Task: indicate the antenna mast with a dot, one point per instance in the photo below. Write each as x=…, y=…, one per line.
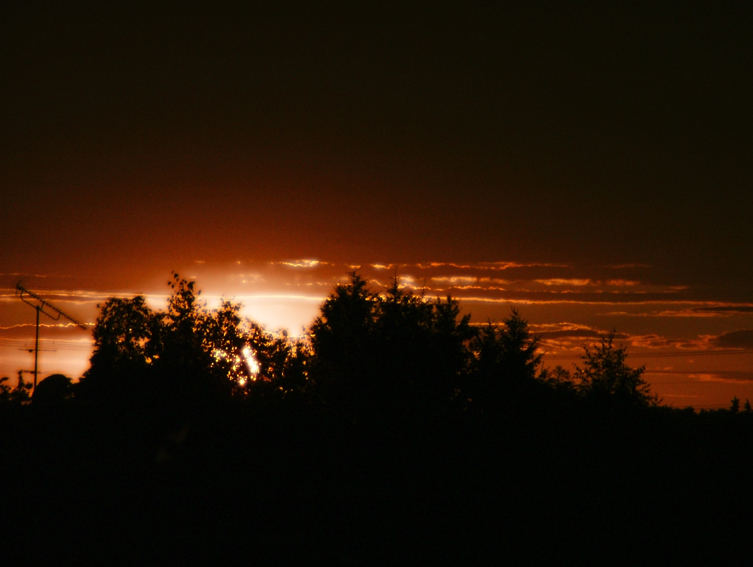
x=42, y=306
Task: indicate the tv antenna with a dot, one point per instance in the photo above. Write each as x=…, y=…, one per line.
x=42, y=306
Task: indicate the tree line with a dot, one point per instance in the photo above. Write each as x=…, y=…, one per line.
x=395, y=350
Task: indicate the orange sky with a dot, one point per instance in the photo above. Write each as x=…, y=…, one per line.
x=603, y=155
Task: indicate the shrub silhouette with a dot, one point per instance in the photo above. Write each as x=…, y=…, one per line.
x=54, y=389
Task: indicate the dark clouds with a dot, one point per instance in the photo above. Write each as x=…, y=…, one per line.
x=732, y=309
x=577, y=333
x=736, y=339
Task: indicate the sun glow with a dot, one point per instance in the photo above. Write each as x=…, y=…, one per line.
x=248, y=356
x=251, y=362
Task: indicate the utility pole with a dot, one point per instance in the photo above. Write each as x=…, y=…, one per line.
x=42, y=306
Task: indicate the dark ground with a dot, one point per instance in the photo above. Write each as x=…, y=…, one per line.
x=291, y=481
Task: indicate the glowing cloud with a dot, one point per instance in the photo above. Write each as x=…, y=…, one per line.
x=305, y=263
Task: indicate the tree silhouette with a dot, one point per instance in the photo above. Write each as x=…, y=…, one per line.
x=14, y=395
x=184, y=352
x=506, y=358
x=421, y=344
x=341, y=338
x=558, y=378
x=282, y=362
x=222, y=340
x=606, y=377
x=123, y=349
x=389, y=348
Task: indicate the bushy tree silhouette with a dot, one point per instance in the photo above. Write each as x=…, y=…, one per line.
x=282, y=361
x=422, y=344
x=342, y=338
x=605, y=377
x=189, y=345
x=184, y=352
x=123, y=349
x=388, y=348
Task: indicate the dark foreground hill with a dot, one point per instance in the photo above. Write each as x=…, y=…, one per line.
x=273, y=482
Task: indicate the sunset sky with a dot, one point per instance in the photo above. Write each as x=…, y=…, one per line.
x=591, y=167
